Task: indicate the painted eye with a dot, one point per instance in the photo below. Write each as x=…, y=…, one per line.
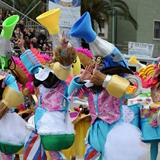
x=75, y=61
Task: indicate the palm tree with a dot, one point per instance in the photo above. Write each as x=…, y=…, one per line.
x=109, y=10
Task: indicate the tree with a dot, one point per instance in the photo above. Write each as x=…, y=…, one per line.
x=109, y=10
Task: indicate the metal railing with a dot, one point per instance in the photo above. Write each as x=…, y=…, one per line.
x=29, y=23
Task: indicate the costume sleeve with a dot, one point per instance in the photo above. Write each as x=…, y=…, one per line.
x=75, y=86
x=118, y=86
x=11, y=96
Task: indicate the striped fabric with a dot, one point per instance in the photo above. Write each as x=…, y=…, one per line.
x=91, y=154
x=33, y=150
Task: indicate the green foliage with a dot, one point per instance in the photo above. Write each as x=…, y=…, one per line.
x=98, y=9
x=105, y=9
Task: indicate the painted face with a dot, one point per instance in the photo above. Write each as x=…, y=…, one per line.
x=66, y=4
x=99, y=61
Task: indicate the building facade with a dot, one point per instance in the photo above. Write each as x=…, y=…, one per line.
x=147, y=15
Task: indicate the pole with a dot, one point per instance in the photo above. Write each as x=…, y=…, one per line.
x=13, y=4
x=31, y=10
x=113, y=26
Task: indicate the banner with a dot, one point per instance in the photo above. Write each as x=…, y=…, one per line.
x=140, y=49
x=69, y=14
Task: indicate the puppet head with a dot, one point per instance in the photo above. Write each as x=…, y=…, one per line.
x=111, y=56
x=63, y=67
x=46, y=77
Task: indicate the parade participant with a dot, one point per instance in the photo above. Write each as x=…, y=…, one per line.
x=149, y=117
x=11, y=142
x=111, y=136
x=14, y=131
x=80, y=105
x=51, y=118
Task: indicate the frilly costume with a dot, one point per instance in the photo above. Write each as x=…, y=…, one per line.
x=51, y=119
x=150, y=110
x=109, y=136
x=13, y=130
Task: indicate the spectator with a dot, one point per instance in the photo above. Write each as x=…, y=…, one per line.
x=6, y=15
x=16, y=48
x=48, y=42
x=17, y=33
x=41, y=43
x=34, y=43
x=21, y=25
x=42, y=36
x=1, y=21
x=1, y=13
x=32, y=33
x=13, y=42
x=27, y=42
x=26, y=32
x=12, y=12
x=43, y=6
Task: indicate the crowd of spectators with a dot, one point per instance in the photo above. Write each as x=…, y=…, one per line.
x=32, y=39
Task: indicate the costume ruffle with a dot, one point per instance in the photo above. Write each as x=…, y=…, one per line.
x=55, y=123
x=13, y=129
x=124, y=143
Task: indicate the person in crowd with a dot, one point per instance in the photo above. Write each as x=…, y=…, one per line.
x=27, y=42
x=32, y=33
x=12, y=12
x=17, y=33
x=34, y=43
x=1, y=13
x=42, y=36
x=48, y=42
x=21, y=25
x=43, y=6
x=1, y=21
x=41, y=44
x=6, y=14
x=26, y=32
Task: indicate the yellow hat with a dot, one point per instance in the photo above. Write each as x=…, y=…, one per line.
x=62, y=72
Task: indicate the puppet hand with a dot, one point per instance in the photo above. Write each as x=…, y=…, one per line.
x=63, y=42
x=87, y=73
x=3, y=109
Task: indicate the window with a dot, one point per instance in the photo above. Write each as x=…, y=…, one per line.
x=104, y=29
x=102, y=23
x=101, y=34
x=156, y=29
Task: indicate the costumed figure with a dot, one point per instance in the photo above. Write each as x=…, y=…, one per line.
x=111, y=135
x=14, y=127
x=79, y=111
x=51, y=120
x=149, y=114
